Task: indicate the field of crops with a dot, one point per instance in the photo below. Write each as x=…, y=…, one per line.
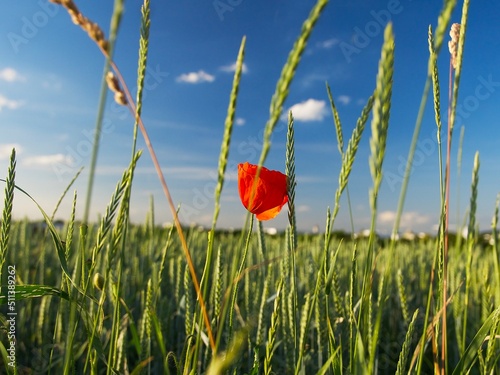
x=270, y=313
x=117, y=298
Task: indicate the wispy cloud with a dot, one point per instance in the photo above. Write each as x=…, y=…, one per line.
x=344, y=99
x=47, y=160
x=409, y=220
x=239, y=121
x=309, y=110
x=232, y=67
x=10, y=75
x=6, y=150
x=8, y=103
x=328, y=43
x=196, y=77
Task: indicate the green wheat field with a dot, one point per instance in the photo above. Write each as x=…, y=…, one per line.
x=115, y=298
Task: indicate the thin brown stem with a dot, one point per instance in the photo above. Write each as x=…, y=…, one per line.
x=446, y=223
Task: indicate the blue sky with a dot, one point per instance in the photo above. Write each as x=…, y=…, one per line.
x=50, y=79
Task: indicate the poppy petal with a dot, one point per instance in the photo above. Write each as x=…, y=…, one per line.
x=272, y=213
x=265, y=196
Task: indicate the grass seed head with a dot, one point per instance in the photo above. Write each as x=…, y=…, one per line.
x=112, y=82
x=114, y=86
x=120, y=98
x=453, y=43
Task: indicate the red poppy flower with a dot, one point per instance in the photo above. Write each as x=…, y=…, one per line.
x=270, y=190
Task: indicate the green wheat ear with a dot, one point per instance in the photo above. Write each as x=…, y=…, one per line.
x=218, y=285
x=271, y=336
x=141, y=67
x=7, y=209
x=145, y=329
x=350, y=154
x=405, y=350
x=402, y=296
x=336, y=120
x=473, y=198
x=291, y=182
x=435, y=82
x=381, y=112
x=143, y=54
x=70, y=230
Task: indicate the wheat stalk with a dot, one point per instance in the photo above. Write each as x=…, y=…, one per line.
x=7, y=209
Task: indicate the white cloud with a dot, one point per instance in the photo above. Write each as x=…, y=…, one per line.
x=412, y=220
x=327, y=44
x=309, y=110
x=386, y=217
x=303, y=208
x=9, y=104
x=239, y=121
x=196, y=77
x=344, y=99
x=6, y=150
x=48, y=160
x=232, y=68
x=10, y=75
